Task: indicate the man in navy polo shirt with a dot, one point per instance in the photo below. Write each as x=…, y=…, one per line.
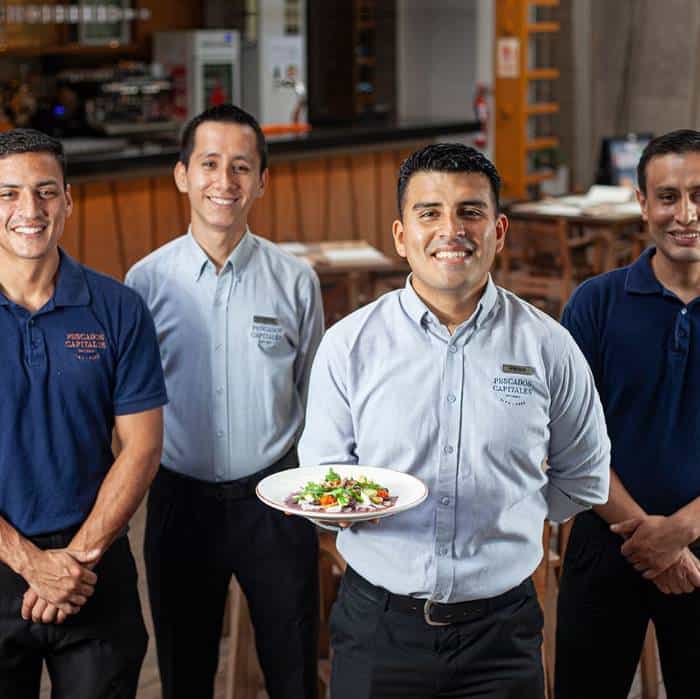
x=634, y=559
x=78, y=357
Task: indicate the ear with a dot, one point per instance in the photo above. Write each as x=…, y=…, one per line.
x=398, y=234
x=264, y=179
x=502, y=224
x=180, y=175
x=69, y=201
x=643, y=204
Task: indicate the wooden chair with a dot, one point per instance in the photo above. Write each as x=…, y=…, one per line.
x=542, y=264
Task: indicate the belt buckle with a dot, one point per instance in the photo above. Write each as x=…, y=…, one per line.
x=426, y=615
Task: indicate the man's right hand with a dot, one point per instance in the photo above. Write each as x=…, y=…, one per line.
x=62, y=577
x=682, y=577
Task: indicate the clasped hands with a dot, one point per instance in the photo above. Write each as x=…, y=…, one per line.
x=656, y=547
x=60, y=583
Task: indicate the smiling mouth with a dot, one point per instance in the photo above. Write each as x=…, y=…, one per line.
x=685, y=236
x=222, y=201
x=453, y=255
x=29, y=231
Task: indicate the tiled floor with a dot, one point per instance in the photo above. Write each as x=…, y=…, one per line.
x=149, y=684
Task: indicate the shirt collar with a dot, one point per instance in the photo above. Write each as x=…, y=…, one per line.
x=418, y=311
x=71, y=285
x=640, y=277
x=197, y=260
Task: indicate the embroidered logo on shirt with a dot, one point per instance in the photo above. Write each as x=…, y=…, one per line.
x=512, y=390
x=266, y=330
x=86, y=346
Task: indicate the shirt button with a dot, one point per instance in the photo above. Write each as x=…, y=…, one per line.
x=219, y=390
x=684, y=311
x=448, y=450
x=217, y=347
x=219, y=433
x=445, y=501
x=453, y=348
x=682, y=332
x=443, y=551
x=451, y=398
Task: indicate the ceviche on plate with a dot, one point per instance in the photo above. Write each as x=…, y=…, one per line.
x=336, y=493
x=342, y=492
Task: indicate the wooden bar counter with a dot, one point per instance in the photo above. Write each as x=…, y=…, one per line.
x=325, y=185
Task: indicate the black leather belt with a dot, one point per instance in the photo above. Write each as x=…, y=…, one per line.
x=230, y=490
x=437, y=613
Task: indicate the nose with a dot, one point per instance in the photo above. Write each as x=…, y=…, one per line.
x=28, y=205
x=454, y=228
x=687, y=211
x=226, y=177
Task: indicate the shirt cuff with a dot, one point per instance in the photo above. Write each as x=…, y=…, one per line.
x=561, y=506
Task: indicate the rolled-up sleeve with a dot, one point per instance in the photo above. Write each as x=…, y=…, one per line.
x=579, y=448
x=328, y=436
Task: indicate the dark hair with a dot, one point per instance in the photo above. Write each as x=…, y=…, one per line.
x=19, y=141
x=447, y=157
x=228, y=114
x=676, y=142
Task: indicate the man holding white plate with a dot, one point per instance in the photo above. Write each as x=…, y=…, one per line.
x=490, y=403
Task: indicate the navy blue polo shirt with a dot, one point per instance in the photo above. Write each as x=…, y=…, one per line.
x=643, y=345
x=66, y=370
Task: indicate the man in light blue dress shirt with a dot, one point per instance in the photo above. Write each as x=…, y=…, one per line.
x=238, y=322
x=488, y=401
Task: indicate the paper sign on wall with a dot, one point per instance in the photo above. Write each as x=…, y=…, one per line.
x=508, y=57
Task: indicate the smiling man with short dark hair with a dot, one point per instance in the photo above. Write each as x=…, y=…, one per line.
x=635, y=558
x=470, y=389
x=78, y=358
x=239, y=321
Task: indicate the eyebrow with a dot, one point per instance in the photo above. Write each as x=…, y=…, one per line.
x=43, y=183
x=214, y=154
x=436, y=205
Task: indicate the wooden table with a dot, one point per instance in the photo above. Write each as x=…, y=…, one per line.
x=352, y=273
x=605, y=228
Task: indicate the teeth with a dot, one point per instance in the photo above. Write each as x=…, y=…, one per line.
x=29, y=230
x=222, y=202
x=450, y=255
x=686, y=236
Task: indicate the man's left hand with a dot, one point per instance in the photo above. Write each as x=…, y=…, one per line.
x=653, y=543
x=40, y=610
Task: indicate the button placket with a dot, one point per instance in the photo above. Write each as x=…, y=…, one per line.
x=450, y=419
x=220, y=371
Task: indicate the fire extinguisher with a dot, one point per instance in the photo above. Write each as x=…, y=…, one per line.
x=481, y=114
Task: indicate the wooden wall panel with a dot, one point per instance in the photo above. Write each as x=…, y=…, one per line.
x=312, y=188
x=262, y=215
x=340, y=219
x=168, y=218
x=134, y=202
x=70, y=241
x=386, y=193
x=287, y=216
x=102, y=249
x=364, y=197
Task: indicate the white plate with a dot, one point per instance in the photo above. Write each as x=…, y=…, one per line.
x=275, y=489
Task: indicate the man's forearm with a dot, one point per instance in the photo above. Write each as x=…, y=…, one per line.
x=119, y=496
x=15, y=549
x=620, y=505
x=687, y=519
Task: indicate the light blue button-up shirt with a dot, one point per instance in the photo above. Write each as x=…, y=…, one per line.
x=477, y=416
x=236, y=348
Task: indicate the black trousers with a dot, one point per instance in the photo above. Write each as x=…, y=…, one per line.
x=604, y=608
x=379, y=653
x=96, y=653
x=197, y=536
